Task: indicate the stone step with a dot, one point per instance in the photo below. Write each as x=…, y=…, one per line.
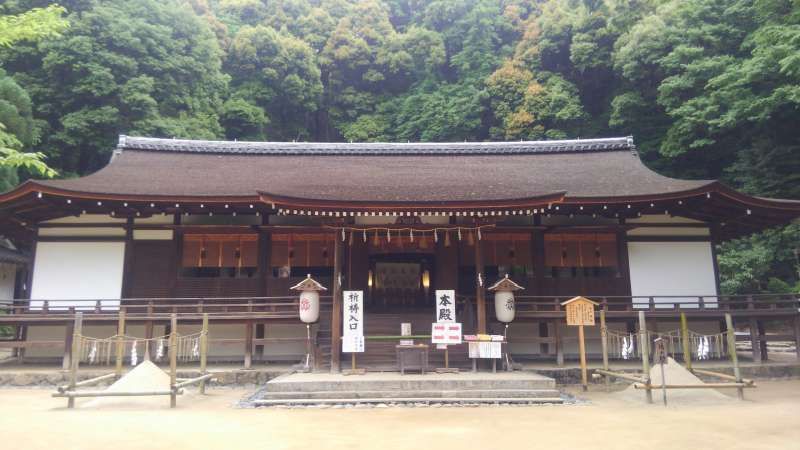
x=458, y=394
x=414, y=401
x=411, y=383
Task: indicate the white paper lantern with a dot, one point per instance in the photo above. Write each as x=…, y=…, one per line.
x=504, y=308
x=309, y=306
x=309, y=299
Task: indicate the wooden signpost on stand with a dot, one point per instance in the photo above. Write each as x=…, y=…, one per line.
x=580, y=313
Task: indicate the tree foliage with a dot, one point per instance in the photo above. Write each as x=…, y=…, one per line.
x=708, y=88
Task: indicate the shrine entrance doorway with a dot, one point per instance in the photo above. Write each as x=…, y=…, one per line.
x=400, y=282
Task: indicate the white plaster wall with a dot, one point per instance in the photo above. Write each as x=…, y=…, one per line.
x=152, y=235
x=672, y=268
x=669, y=231
x=84, y=231
x=78, y=270
x=88, y=218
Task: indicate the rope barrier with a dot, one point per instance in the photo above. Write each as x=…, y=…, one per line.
x=623, y=345
x=96, y=351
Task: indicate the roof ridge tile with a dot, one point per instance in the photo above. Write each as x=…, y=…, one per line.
x=375, y=148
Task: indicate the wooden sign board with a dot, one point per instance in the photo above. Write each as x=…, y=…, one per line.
x=580, y=311
x=353, y=329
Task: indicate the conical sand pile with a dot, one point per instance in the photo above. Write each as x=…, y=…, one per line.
x=146, y=377
x=675, y=373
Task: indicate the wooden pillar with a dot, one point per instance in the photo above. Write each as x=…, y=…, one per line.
x=127, y=261
x=559, y=343
x=265, y=275
x=731, y=335
x=248, y=344
x=762, y=340
x=687, y=349
x=148, y=331
x=537, y=259
x=264, y=260
x=22, y=330
x=177, y=253
x=173, y=360
x=754, y=340
x=120, y=350
x=604, y=343
x=797, y=335
x=75, y=359
x=203, y=351
x=336, y=311
x=480, y=288
x=623, y=265
x=66, y=361
x=644, y=344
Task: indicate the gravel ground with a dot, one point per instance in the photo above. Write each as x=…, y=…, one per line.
x=766, y=420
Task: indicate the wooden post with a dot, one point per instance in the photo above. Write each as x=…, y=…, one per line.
x=248, y=344
x=582, y=349
x=173, y=360
x=797, y=335
x=75, y=356
x=148, y=331
x=559, y=344
x=604, y=343
x=203, y=351
x=66, y=362
x=687, y=349
x=336, y=312
x=480, y=291
x=755, y=340
x=762, y=340
x=644, y=345
x=120, y=350
x=732, y=352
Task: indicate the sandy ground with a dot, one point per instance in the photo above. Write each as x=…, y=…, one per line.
x=31, y=419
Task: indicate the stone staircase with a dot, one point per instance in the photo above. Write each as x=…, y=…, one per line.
x=380, y=355
x=393, y=388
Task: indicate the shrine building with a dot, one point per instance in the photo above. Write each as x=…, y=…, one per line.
x=227, y=228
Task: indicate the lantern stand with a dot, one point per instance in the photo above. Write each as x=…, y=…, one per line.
x=308, y=304
x=504, y=309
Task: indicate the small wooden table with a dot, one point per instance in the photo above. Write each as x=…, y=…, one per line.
x=412, y=357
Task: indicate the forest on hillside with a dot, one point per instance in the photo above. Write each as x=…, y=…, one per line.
x=707, y=88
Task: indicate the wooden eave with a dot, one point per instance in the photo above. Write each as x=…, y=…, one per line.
x=729, y=213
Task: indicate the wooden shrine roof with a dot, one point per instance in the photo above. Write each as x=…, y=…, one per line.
x=363, y=172
x=583, y=176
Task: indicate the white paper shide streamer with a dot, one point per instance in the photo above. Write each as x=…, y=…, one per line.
x=134, y=355
x=160, y=349
x=93, y=353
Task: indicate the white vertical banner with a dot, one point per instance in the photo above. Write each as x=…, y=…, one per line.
x=445, y=305
x=353, y=323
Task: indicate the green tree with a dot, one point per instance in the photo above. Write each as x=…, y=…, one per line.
x=145, y=67
x=18, y=129
x=277, y=72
